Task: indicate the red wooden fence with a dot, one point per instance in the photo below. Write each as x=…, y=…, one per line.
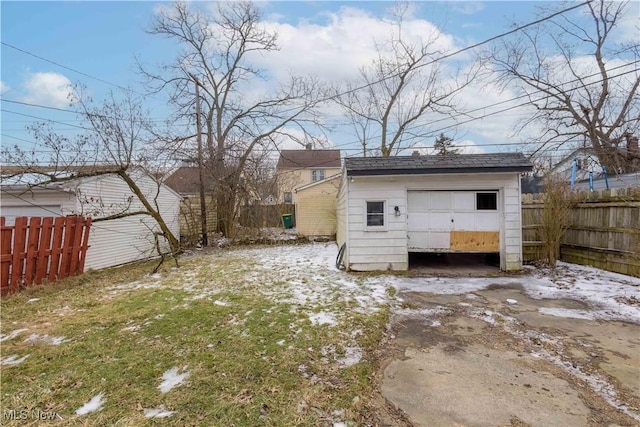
x=35, y=249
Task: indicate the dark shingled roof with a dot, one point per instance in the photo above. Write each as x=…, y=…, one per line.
x=185, y=180
x=292, y=159
x=436, y=164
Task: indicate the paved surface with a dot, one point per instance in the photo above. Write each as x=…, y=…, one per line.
x=478, y=360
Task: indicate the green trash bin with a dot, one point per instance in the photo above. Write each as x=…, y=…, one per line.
x=287, y=221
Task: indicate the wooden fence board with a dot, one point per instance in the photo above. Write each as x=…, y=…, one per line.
x=44, y=254
x=6, y=235
x=45, y=248
x=56, y=248
x=85, y=245
x=32, y=249
x=18, y=248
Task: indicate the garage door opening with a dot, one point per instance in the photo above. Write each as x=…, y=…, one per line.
x=454, y=264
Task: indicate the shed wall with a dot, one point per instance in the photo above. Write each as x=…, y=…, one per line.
x=387, y=249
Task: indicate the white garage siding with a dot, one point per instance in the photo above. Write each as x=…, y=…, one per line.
x=37, y=202
x=387, y=248
x=124, y=240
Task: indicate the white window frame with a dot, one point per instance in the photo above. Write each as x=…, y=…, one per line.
x=319, y=172
x=382, y=227
x=290, y=198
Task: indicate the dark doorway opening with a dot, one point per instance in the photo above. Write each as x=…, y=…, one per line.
x=455, y=264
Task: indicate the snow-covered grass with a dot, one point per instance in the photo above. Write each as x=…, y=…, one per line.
x=218, y=341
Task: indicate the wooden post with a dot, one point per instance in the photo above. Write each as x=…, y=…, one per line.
x=85, y=245
x=19, y=241
x=6, y=235
x=203, y=204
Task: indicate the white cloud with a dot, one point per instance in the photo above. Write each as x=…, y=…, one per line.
x=468, y=7
x=50, y=89
x=338, y=48
x=4, y=88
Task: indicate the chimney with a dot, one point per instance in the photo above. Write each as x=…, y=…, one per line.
x=308, y=146
x=416, y=153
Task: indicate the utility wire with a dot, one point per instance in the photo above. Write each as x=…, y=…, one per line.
x=70, y=69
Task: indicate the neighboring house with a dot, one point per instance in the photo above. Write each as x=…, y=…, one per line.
x=390, y=206
x=586, y=162
x=297, y=168
x=316, y=207
x=112, y=242
x=186, y=181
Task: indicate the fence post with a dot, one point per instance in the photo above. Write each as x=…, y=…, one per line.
x=6, y=235
x=17, y=262
x=85, y=245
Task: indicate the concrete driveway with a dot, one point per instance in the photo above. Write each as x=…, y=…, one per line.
x=542, y=349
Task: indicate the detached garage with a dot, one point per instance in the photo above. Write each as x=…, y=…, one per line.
x=469, y=203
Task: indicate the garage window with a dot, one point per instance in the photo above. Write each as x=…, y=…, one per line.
x=486, y=201
x=375, y=214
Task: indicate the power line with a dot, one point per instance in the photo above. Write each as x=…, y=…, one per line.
x=70, y=69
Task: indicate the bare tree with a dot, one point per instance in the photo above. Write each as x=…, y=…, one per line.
x=238, y=117
x=581, y=79
x=114, y=143
x=388, y=102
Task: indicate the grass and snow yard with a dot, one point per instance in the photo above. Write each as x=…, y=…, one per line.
x=269, y=336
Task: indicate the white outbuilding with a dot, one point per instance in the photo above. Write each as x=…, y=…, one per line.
x=388, y=207
x=112, y=242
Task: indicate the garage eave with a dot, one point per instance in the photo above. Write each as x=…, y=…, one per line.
x=436, y=171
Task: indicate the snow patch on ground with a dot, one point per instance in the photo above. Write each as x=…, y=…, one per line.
x=93, y=405
x=221, y=303
x=172, y=379
x=570, y=313
x=352, y=355
x=606, y=292
x=12, y=334
x=13, y=360
x=323, y=318
x=45, y=339
x=159, y=412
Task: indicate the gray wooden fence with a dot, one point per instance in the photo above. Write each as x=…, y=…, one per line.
x=604, y=230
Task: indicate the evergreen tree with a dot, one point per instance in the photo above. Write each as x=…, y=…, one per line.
x=444, y=146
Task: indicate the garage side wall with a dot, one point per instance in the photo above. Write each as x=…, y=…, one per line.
x=341, y=216
x=124, y=240
x=370, y=249
x=316, y=209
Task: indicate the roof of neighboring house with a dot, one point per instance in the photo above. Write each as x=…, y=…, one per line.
x=322, y=181
x=290, y=159
x=184, y=180
x=437, y=164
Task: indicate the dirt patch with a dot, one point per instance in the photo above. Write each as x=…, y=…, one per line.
x=497, y=357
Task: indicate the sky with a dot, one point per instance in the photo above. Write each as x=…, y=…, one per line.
x=46, y=46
